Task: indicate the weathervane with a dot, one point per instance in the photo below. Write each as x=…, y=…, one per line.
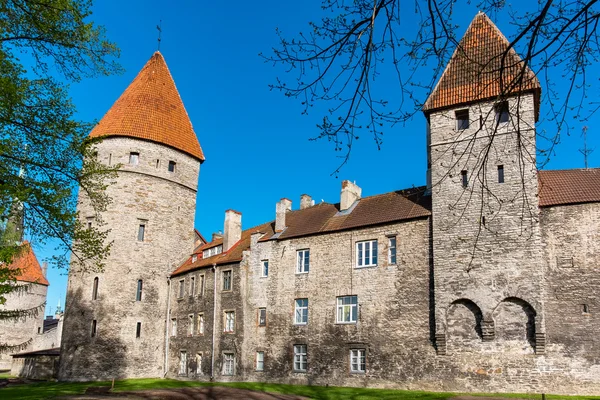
x=159, y=28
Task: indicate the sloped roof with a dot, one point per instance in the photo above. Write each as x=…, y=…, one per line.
x=29, y=267
x=483, y=66
x=569, y=186
x=151, y=109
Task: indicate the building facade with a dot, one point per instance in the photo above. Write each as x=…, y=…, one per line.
x=486, y=279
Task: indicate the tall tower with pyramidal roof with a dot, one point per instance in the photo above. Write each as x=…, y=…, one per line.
x=488, y=272
x=115, y=320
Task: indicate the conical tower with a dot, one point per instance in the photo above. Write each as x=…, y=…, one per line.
x=115, y=320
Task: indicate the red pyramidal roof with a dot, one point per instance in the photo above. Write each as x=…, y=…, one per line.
x=28, y=266
x=151, y=109
x=483, y=66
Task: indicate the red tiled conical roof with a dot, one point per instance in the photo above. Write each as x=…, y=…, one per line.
x=483, y=66
x=151, y=109
x=28, y=266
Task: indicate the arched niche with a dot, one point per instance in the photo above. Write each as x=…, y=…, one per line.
x=463, y=324
x=515, y=321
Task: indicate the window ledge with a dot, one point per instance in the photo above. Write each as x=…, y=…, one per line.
x=302, y=273
x=300, y=323
x=366, y=266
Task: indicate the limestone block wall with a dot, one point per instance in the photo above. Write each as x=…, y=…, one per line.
x=164, y=202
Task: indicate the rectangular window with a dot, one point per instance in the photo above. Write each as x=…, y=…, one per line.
x=199, y=364
x=134, y=158
x=174, y=327
x=172, y=166
x=585, y=308
x=300, y=357
x=500, y=173
x=190, y=324
x=392, y=249
x=201, y=286
x=262, y=317
x=138, y=292
x=194, y=257
x=226, y=280
x=347, y=309
x=182, y=363
x=94, y=328
x=303, y=261
x=90, y=222
x=366, y=253
x=264, y=271
x=95, y=289
x=465, y=178
x=200, y=322
x=228, y=364
x=229, y=321
x=260, y=360
x=138, y=330
x=192, y=285
x=301, y=311
x=357, y=361
x=181, y=291
x=141, y=232
x=462, y=119
x=501, y=112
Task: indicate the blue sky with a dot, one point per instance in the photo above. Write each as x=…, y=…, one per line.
x=256, y=141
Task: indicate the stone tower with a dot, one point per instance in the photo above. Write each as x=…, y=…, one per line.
x=115, y=320
x=488, y=267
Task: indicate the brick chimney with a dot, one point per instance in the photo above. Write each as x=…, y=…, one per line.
x=306, y=201
x=232, y=232
x=281, y=209
x=350, y=193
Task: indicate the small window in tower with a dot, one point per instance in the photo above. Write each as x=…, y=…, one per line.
x=94, y=328
x=500, y=173
x=90, y=222
x=138, y=294
x=157, y=163
x=134, y=158
x=109, y=158
x=95, y=289
x=585, y=308
x=141, y=232
x=138, y=330
x=501, y=112
x=172, y=166
x=462, y=120
x=465, y=179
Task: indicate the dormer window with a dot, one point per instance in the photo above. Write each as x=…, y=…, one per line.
x=172, y=166
x=501, y=112
x=462, y=120
x=134, y=158
x=194, y=257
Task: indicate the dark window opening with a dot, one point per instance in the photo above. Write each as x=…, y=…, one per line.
x=262, y=317
x=500, y=173
x=226, y=280
x=481, y=121
x=502, y=112
x=172, y=166
x=585, y=308
x=138, y=330
x=39, y=330
x=138, y=294
x=94, y=328
x=157, y=163
x=141, y=232
x=483, y=220
x=465, y=179
x=134, y=158
x=109, y=158
x=462, y=119
x=95, y=289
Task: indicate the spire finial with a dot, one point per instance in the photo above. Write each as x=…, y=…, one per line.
x=159, y=29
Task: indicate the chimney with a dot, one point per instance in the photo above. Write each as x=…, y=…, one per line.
x=232, y=233
x=44, y=268
x=216, y=235
x=306, y=201
x=281, y=209
x=350, y=193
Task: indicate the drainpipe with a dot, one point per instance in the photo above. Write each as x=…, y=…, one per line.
x=214, y=330
x=166, y=362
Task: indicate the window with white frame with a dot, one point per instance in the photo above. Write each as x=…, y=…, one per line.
x=200, y=322
x=228, y=364
x=229, y=321
x=174, y=327
x=260, y=360
x=201, y=285
x=213, y=251
x=181, y=288
x=191, y=324
x=134, y=158
x=301, y=311
x=194, y=257
x=300, y=357
x=199, y=364
x=357, y=360
x=183, y=362
x=264, y=268
x=392, y=250
x=303, y=261
x=347, y=309
x=366, y=253
x=226, y=280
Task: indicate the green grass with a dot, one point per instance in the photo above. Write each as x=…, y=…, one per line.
x=47, y=390
x=5, y=375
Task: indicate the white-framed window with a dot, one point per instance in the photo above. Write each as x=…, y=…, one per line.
x=198, y=363
x=228, y=364
x=300, y=357
x=303, y=261
x=191, y=324
x=201, y=285
x=227, y=280
x=134, y=158
x=366, y=253
x=358, y=361
x=213, y=251
x=262, y=317
x=264, y=268
x=260, y=360
x=392, y=250
x=347, y=309
x=200, y=322
x=194, y=258
x=229, y=321
x=301, y=312
x=192, y=285
x=174, y=327
x=181, y=289
x=183, y=362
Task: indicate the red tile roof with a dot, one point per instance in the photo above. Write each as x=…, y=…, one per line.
x=28, y=266
x=151, y=109
x=570, y=186
x=483, y=66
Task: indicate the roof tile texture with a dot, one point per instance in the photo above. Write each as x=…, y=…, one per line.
x=28, y=266
x=570, y=186
x=482, y=67
x=151, y=109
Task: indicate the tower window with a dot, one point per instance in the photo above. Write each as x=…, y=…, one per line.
x=157, y=163
x=138, y=294
x=172, y=166
x=500, y=173
x=138, y=330
x=465, y=178
x=141, y=232
x=134, y=158
x=462, y=119
x=585, y=308
x=94, y=328
x=95, y=289
x=501, y=112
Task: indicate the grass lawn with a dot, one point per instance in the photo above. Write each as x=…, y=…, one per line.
x=47, y=390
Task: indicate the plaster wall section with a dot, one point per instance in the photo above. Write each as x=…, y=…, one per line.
x=163, y=202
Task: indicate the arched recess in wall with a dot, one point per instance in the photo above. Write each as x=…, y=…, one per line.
x=463, y=324
x=514, y=321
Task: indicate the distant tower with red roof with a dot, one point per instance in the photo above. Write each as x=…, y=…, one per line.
x=115, y=319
